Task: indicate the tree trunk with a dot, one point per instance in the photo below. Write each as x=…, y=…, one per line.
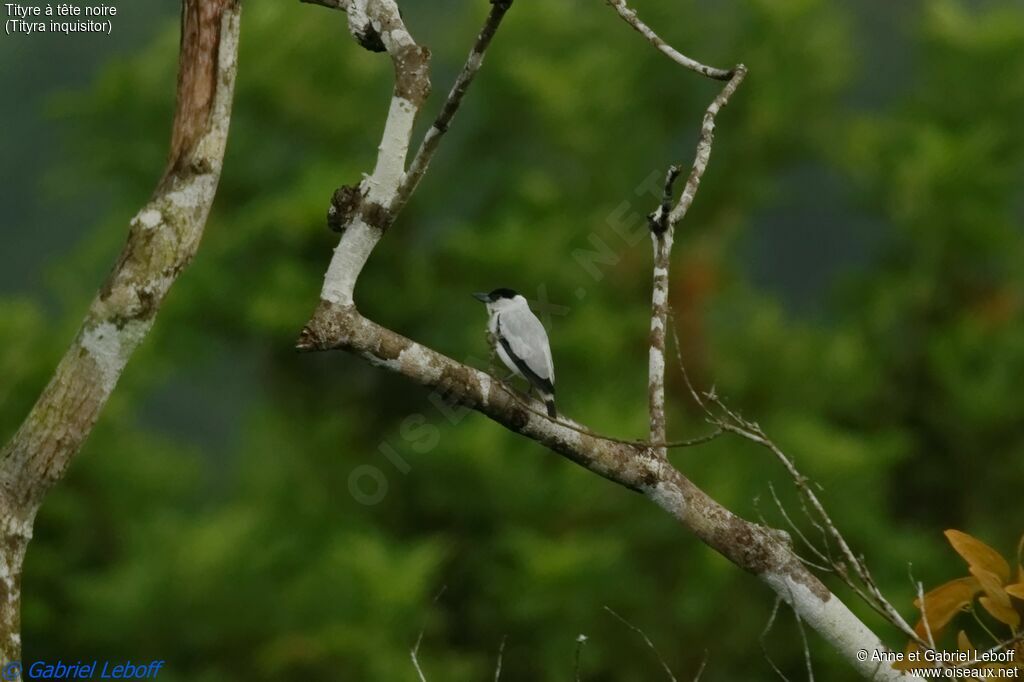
x=162, y=240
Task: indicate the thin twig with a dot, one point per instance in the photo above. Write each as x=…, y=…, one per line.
x=332, y=4
x=764, y=635
x=415, y=660
x=807, y=648
x=581, y=639
x=800, y=534
x=733, y=422
x=821, y=529
x=650, y=644
x=707, y=136
x=791, y=524
x=703, y=665
x=631, y=18
x=981, y=624
x=414, y=653
x=432, y=139
x=874, y=597
x=804, y=560
x=832, y=566
x=682, y=366
x=572, y=426
x=501, y=654
x=924, y=613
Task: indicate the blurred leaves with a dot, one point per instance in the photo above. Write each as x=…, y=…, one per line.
x=211, y=520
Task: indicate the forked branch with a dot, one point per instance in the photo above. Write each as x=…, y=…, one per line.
x=663, y=223
x=371, y=207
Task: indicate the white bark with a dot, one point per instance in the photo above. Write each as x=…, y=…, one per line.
x=839, y=626
x=380, y=189
x=350, y=255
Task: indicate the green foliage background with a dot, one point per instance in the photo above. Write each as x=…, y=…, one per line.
x=850, y=276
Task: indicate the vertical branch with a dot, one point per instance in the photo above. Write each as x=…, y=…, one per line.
x=370, y=208
x=662, y=232
x=663, y=223
x=162, y=240
x=664, y=220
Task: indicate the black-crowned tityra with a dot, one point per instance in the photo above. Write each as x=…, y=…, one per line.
x=521, y=342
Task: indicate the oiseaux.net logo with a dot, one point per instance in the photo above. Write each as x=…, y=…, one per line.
x=81, y=670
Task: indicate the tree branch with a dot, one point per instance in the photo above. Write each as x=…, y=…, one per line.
x=162, y=240
x=661, y=237
x=663, y=223
x=866, y=587
x=761, y=551
x=370, y=213
x=432, y=139
x=630, y=17
x=707, y=137
x=337, y=324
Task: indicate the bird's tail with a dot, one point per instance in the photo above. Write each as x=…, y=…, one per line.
x=550, y=402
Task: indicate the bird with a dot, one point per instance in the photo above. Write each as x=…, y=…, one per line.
x=521, y=342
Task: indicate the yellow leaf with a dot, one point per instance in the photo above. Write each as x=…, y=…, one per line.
x=977, y=553
x=963, y=643
x=992, y=586
x=1016, y=590
x=944, y=602
x=1004, y=614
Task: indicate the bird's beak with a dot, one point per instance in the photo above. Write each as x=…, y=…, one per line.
x=482, y=297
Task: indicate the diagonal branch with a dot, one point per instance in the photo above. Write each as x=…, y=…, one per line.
x=162, y=240
x=432, y=139
x=630, y=17
x=647, y=641
x=761, y=551
x=707, y=137
x=335, y=327
x=865, y=585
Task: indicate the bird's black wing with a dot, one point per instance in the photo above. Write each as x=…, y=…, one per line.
x=532, y=359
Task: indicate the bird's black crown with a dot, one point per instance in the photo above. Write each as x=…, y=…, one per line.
x=502, y=293
x=495, y=295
